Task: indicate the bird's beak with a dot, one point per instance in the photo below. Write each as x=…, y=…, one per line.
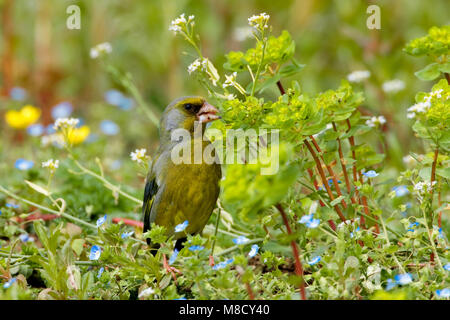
x=207, y=113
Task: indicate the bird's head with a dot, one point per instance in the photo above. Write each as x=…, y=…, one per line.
x=183, y=112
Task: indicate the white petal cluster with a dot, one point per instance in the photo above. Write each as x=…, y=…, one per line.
x=230, y=80
x=100, y=49
x=194, y=66
x=393, y=86
x=358, y=76
x=376, y=121
x=138, y=155
x=422, y=107
x=63, y=123
x=179, y=24
x=51, y=164
x=424, y=187
x=259, y=21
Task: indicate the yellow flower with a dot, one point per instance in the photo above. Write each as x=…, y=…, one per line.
x=23, y=118
x=77, y=135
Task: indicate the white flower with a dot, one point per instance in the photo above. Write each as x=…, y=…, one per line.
x=138, y=155
x=146, y=292
x=194, y=66
x=393, y=86
x=230, y=96
x=259, y=21
x=376, y=121
x=424, y=187
x=242, y=33
x=358, y=76
x=63, y=123
x=180, y=23
x=230, y=80
x=51, y=164
x=100, y=49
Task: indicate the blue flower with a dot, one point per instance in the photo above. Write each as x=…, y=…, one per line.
x=196, y=248
x=24, y=237
x=306, y=218
x=253, y=251
x=109, y=127
x=100, y=271
x=62, y=110
x=356, y=230
x=241, y=240
x=180, y=227
x=174, y=256
x=23, y=164
x=315, y=260
x=115, y=165
x=390, y=284
x=182, y=298
x=370, y=174
x=8, y=284
x=309, y=221
x=314, y=223
x=101, y=220
x=400, y=191
x=223, y=264
x=443, y=293
x=95, y=253
x=12, y=205
x=35, y=130
x=403, y=279
x=18, y=93
x=116, y=98
x=447, y=267
x=412, y=226
x=126, y=234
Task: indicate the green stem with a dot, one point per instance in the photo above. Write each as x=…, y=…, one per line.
x=237, y=247
x=258, y=71
x=107, y=184
x=389, y=244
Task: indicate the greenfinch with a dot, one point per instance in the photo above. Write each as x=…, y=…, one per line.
x=176, y=192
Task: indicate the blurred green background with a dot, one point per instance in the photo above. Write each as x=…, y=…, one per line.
x=53, y=64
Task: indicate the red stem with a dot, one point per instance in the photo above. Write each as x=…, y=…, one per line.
x=324, y=180
x=295, y=251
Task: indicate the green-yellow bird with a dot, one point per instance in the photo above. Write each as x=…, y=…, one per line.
x=174, y=192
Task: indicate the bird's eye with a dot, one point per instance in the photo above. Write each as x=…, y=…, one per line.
x=188, y=106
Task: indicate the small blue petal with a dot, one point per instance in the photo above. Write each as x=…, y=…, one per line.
x=12, y=205
x=23, y=164
x=18, y=94
x=196, y=248
x=35, y=130
x=314, y=223
x=180, y=227
x=126, y=234
x=101, y=220
x=182, y=298
x=241, y=240
x=253, y=251
x=24, y=237
x=400, y=191
x=95, y=253
x=113, y=97
x=370, y=174
x=126, y=103
x=223, y=264
x=50, y=129
x=403, y=279
x=315, y=260
x=173, y=257
x=443, y=293
x=306, y=218
x=100, y=271
x=390, y=284
x=447, y=267
x=62, y=110
x=8, y=284
x=109, y=127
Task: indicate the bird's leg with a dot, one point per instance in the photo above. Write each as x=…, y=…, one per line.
x=170, y=269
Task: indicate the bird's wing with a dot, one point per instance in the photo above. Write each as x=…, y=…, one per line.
x=151, y=188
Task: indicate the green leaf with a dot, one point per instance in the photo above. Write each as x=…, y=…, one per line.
x=444, y=67
x=430, y=72
x=77, y=246
x=445, y=173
